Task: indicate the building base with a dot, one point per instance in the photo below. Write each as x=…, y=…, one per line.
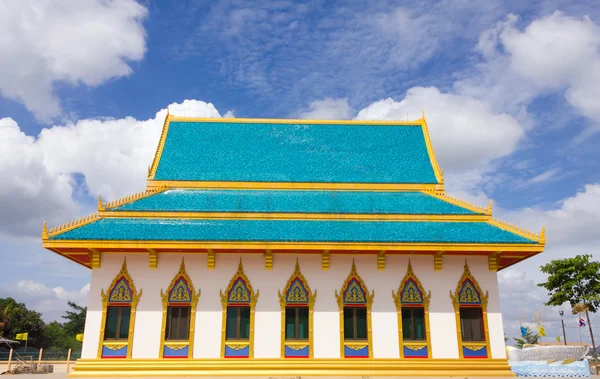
x=291, y=367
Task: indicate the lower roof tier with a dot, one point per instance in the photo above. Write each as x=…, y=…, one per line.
x=289, y=201
x=141, y=229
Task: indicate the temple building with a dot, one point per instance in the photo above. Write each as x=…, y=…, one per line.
x=293, y=247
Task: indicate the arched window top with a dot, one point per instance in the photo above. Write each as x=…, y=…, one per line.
x=239, y=291
x=468, y=292
x=297, y=291
x=410, y=291
x=122, y=289
x=181, y=290
x=354, y=291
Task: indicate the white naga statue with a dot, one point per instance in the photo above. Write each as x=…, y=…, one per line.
x=546, y=353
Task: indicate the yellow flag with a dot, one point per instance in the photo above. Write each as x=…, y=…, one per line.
x=79, y=337
x=541, y=331
x=558, y=338
x=22, y=336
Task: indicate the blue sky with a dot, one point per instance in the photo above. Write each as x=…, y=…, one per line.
x=509, y=90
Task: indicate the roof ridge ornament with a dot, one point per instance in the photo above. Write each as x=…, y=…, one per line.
x=161, y=144
x=459, y=202
x=541, y=237
x=131, y=198
x=44, y=232
x=100, y=204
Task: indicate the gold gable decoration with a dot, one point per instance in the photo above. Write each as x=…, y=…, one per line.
x=124, y=294
x=241, y=294
x=418, y=295
x=299, y=290
x=354, y=291
x=464, y=297
x=177, y=292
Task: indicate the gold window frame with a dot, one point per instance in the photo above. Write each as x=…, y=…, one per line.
x=458, y=303
x=425, y=300
x=193, y=302
x=135, y=299
x=310, y=302
x=253, y=298
x=355, y=345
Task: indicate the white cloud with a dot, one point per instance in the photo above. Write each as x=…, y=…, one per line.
x=113, y=156
x=328, y=109
x=465, y=132
x=553, y=53
x=76, y=42
x=574, y=221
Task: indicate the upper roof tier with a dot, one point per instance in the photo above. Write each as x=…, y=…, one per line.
x=295, y=151
x=289, y=201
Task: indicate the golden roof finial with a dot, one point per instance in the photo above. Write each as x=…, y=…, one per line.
x=423, y=114
x=45, y=231
x=488, y=210
x=543, y=235
x=100, y=205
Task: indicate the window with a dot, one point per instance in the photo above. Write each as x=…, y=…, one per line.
x=471, y=324
x=117, y=323
x=178, y=323
x=296, y=323
x=238, y=323
x=355, y=323
x=413, y=323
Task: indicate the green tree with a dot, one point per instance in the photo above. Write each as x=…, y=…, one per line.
x=575, y=281
x=55, y=336
x=23, y=320
x=75, y=319
x=530, y=338
x=6, y=312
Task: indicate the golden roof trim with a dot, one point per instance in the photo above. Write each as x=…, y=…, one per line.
x=161, y=145
x=129, y=199
x=541, y=237
x=69, y=226
x=439, y=174
x=461, y=203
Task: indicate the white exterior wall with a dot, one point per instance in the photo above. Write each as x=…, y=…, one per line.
x=267, y=337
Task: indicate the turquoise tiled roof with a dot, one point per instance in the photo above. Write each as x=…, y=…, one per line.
x=284, y=201
x=139, y=229
x=265, y=152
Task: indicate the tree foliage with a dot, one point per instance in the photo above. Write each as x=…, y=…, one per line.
x=531, y=338
x=23, y=320
x=573, y=280
x=75, y=319
x=58, y=336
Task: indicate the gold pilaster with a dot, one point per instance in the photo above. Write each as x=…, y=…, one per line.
x=438, y=261
x=268, y=260
x=493, y=261
x=211, y=259
x=325, y=260
x=153, y=258
x=94, y=258
x=381, y=260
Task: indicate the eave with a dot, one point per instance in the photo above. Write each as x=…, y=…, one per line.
x=81, y=251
